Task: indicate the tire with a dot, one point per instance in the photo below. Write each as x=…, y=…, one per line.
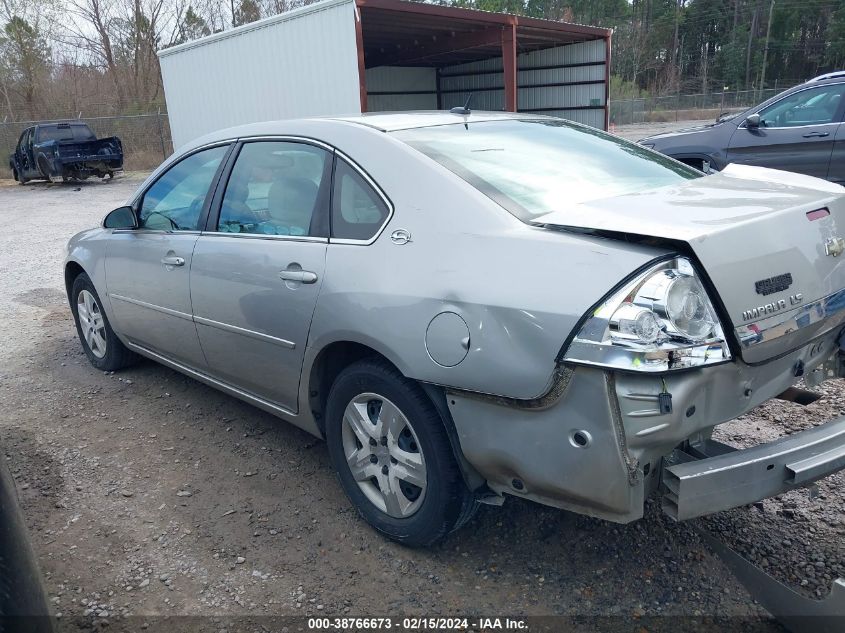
x=45, y=169
x=102, y=347
x=411, y=458
x=23, y=605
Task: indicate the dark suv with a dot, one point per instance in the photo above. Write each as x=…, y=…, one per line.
x=798, y=130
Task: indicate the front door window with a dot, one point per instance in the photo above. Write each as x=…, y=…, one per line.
x=815, y=106
x=175, y=201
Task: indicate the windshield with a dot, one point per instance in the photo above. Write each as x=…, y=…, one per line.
x=534, y=167
x=65, y=133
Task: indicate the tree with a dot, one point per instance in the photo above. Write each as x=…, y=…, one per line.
x=192, y=26
x=246, y=11
x=26, y=61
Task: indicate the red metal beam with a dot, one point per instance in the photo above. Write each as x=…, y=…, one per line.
x=362, y=70
x=441, y=46
x=509, y=66
x=472, y=15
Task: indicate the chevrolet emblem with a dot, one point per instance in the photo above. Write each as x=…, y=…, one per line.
x=834, y=246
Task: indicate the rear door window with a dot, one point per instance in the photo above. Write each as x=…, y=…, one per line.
x=276, y=188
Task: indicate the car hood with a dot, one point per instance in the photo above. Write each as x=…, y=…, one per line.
x=745, y=225
x=683, y=132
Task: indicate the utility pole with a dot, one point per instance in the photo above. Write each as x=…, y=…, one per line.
x=766, y=50
x=676, y=55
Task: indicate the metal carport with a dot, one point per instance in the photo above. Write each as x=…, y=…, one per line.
x=507, y=62
x=339, y=57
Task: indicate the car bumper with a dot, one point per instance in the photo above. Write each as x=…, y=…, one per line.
x=531, y=450
x=94, y=162
x=712, y=476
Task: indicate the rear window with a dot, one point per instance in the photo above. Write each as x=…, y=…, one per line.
x=64, y=133
x=534, y=167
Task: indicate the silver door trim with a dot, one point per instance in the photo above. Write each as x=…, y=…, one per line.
x=245, y=332
x=152, y=306
x=267, y=405
x=788, y=127
x=291, y=138
x=268, y=236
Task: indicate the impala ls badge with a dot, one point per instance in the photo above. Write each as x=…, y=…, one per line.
x=769, y=309
x=834, y=246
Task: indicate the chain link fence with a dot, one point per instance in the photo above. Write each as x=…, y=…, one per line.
x=687, y=107
x=145, y=137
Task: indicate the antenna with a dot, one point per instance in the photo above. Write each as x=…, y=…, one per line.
x=463, y=110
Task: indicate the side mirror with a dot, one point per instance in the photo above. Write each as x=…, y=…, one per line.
x=121, y=218
x=752, y=121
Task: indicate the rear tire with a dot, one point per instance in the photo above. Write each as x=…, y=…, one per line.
x=102, y=347
x=407, y=483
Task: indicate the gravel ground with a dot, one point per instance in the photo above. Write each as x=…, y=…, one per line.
x=149, y=493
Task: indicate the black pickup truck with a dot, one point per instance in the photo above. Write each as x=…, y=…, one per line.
x=64, y=150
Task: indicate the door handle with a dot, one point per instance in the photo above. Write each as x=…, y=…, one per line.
x=304, y=276
x=816, y=134
x=173, y=261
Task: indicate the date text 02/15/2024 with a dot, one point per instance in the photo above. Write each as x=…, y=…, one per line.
x=417, y=624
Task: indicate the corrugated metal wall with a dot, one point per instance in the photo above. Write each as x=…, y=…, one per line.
x=300, y=63
x=484, y=80
x=401, y=88
x=566, y=81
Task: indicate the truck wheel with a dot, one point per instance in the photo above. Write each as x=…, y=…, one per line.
x=392, y=455
x=45, y=169
x=102, y=347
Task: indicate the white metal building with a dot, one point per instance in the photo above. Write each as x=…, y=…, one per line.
x=350, y=56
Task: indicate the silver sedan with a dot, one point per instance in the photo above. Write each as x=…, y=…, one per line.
x=470, y=306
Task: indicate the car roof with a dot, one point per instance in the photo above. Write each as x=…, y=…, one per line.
x=392, y=121
x=379, y=121
x=838, y=74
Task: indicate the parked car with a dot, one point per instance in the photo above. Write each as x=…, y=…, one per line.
x=799, y=130
x=472, y=306
x=23, y=606
x=64, y=150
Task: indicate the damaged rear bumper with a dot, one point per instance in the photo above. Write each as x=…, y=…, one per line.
x=709, y=476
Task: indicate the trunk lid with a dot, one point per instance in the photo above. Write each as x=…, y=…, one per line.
x=754, y=233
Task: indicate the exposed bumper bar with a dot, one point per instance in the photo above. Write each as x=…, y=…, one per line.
x=712, y=477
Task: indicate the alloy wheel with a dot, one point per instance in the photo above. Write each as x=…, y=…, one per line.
x=91, y=323
x=384, y=455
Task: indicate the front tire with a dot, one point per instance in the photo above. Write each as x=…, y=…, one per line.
x=102, y=347
x=393, y=457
